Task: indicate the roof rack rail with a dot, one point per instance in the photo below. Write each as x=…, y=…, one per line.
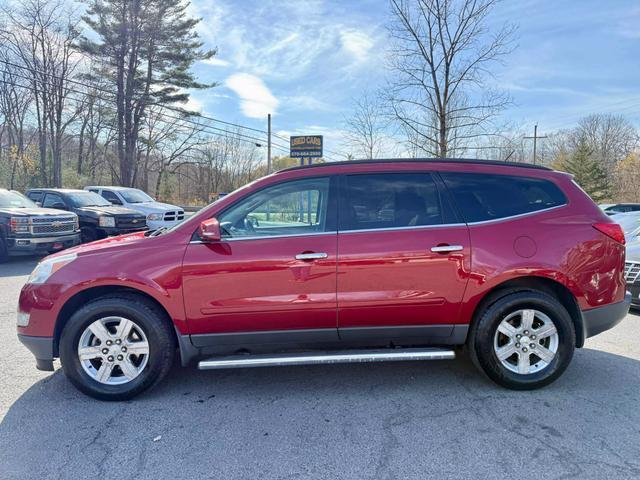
x=420, y=160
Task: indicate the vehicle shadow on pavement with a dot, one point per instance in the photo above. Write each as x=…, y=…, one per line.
x=19, y=266
x=406, y=420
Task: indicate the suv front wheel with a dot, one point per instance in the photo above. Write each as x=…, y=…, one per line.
x=524, y=340
x=116, y=347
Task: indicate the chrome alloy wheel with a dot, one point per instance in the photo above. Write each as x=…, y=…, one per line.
x=526, y=341
x=113, y=350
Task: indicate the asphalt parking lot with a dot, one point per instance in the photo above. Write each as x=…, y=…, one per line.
x=412, y=420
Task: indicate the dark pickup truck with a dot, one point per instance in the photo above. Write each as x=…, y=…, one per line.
x=98, y=218
x=26, y=229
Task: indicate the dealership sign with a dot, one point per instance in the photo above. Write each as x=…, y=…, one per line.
x=308, y=146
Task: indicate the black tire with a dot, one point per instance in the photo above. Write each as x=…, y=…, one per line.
x=481, y=339
x=88, y=234
x=4, y=254
x=156, y=327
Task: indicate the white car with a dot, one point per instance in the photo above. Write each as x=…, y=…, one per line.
x=158, y=214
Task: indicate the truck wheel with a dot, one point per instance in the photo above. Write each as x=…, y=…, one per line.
x=117, y=346
x=88, y=235
x=523, y=341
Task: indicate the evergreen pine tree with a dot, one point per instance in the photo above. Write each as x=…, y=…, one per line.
x=147, y=48
x=587, y=172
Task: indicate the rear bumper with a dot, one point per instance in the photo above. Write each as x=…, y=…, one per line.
x=42, y=349
x=599, y=319
x=32, y=245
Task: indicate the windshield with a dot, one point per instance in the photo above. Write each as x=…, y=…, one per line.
x=15, y=200
x=133, y=195
x=88, y=199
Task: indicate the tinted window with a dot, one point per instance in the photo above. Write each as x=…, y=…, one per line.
x=52, y=199
x=112, y=197
x=35, y=196
x=390, y=201
x=291, y=208
x=488, y=197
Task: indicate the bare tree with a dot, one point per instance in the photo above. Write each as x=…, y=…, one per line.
x=365, y=127
x=442, y=54
x=610, y=137
x=14, y=107
x=39, y=35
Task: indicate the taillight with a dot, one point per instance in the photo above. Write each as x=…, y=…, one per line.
x=611, y=230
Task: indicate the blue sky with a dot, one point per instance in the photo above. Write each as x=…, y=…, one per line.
x=305, y=61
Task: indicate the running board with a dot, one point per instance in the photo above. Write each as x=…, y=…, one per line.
x=312, y=358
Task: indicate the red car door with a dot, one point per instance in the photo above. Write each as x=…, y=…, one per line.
x=403, y=257
x=273, y=272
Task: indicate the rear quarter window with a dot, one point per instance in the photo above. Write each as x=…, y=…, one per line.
x=483, y=197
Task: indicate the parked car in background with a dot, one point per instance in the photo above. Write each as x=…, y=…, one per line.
x=26, y=229
x=632, y=271
x=158, y=214
x=630, y=223
x=341, y=262
x=612, y=209
x=98, y=218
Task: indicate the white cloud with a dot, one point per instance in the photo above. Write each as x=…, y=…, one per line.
x=256, y=98
x=216, y=62
x=357, y=43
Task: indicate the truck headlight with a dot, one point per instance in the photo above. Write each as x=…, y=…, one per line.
x=107, y=222
x=19, y=224
x=48, y=267
x=154, y=217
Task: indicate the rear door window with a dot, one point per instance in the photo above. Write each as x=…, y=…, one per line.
x=397, y=200
x=52, y=199
x=483, y=197
x=112, y=197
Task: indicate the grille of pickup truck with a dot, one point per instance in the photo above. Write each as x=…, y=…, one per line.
x=131, y=221
x=55, y=225
x=631, y=271
x=174, y=215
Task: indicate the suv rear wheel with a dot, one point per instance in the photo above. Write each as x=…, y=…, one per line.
x=116, y=347
x=524, y=340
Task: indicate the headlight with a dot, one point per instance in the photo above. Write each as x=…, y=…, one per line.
x=152, y=217
x=107, y=222
x=48, y=267
x=19, y=224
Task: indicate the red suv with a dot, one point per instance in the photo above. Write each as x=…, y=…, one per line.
x=340, y=262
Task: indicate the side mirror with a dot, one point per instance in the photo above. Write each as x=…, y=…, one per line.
x=59, y=206
x=115, y=201
x=210, y=230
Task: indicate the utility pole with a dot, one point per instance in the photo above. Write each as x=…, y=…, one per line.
x=268, y=143
x=535, y=141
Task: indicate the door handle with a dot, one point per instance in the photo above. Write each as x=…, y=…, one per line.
x=446, y=248
x=311, y=256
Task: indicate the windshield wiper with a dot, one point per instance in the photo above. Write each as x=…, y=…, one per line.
x=158, y=231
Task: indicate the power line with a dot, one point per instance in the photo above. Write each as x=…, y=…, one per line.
x=217, y=131
x=94, y=87
x=206, y=128
x=168, y=107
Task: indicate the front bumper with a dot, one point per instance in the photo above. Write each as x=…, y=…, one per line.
x=599, y=319
x=42, y=349
x=34, y=245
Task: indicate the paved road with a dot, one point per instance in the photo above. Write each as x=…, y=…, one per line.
x=432, y=420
